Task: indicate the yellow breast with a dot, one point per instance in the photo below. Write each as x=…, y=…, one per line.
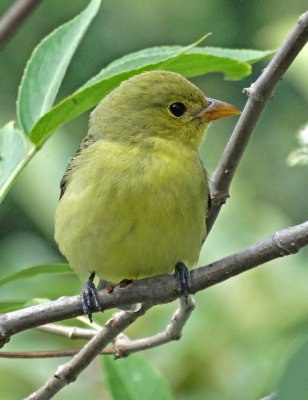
x=132, y=211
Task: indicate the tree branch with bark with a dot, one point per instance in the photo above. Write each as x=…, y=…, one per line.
x=160, y=289
x=163, y=289
x=14, y=17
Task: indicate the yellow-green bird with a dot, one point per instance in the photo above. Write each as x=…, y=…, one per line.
x=135, y=196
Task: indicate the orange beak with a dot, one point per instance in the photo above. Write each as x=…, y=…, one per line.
x=218, y=109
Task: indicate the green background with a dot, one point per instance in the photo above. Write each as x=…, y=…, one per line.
x=243, y=331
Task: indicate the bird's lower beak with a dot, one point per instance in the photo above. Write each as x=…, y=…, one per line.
x=218, y=109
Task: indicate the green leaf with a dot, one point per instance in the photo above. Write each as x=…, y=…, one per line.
x=247, y=55
x=185, y=60
x=11, y=305
x=15, y=152
x=47, y=66
x=231, y=62
x=36, y=271
x=294, y=382
x=36, y=301
x=134, y=379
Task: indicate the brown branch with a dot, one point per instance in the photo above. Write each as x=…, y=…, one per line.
x=259, y=94
x=162, y=288
x=14, y=17
x=123, y=346
x=71, y=332
x=68, y=372
x=47, y=354
x=282, y=243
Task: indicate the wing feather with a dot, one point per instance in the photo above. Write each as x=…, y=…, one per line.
x=87, y=141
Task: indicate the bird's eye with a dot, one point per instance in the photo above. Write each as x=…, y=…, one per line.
x=177, y=109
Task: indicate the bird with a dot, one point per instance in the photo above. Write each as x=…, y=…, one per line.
x=135, y=196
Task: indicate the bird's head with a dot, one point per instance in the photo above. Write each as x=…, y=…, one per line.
x=157, y=104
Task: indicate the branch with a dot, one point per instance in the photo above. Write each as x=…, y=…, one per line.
x=47, y=354
x=71, y=332
x=123, y=346
x=162, y=288
x=259, y=94
x=14, y=17
x=69, y=372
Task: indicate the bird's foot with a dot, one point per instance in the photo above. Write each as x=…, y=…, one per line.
x=89, y=297
x=183, y=278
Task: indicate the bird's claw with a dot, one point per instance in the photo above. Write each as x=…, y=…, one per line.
x=183, y=278
x=89, y=298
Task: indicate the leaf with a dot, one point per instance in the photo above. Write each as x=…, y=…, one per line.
x=47, y=66
x=36, y=301
x=294, y=382
x=39, y=86
x=195, y=61
x=247, y=55
x=15, y=152
x=235, y=67
x=13, y=305
x=233, y=63
x=134, y=379
x=36, y=271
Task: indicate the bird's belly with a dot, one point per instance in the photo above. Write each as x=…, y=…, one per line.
x=133, y=229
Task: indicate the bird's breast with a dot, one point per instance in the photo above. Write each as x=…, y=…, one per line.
x=129, y=212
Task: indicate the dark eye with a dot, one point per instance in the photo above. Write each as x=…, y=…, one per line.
x=177, y=109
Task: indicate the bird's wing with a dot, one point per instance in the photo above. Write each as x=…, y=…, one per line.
x=87, y=141
x=209, y=200
x=209, y=203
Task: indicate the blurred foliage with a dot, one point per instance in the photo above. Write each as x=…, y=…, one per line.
x=133, y=378
x=294, y=382
x=300, y=155
x=237, y=342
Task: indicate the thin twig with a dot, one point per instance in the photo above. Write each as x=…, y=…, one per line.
x=14, y=17
x=162, y=288
x=123, y=346
x=68, y=372
x=47, y=354
x=72, y=332
x=259, y=94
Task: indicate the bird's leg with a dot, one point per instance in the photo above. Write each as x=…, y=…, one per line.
x=89, y=298
x=183, y=278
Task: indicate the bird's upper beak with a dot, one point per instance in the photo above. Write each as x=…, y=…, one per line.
x=218, y=109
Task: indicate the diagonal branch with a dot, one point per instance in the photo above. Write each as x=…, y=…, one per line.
x=259, y=94
x=123, y=346
x=14, y=17
x=162, y=288
x=68, y=372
